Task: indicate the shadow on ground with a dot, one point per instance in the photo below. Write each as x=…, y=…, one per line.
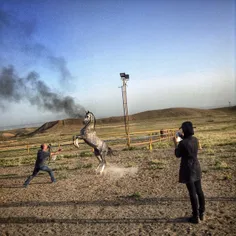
x=121, y=201
x=35, y=220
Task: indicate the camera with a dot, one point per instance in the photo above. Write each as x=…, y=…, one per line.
x=178, y=136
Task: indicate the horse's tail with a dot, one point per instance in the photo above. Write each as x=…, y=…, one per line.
x=111, y=152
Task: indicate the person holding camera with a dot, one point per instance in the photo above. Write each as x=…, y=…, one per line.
x=42, y=156
x=190, y=170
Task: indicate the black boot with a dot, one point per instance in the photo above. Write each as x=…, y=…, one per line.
x=202, y=216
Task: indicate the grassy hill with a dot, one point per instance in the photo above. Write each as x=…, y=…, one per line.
x=58, y=125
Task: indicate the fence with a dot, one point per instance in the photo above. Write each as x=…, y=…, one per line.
x=115, y=140
x=150, y=137
x=139, y=138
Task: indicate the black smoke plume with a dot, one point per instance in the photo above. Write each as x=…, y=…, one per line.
x=15, y=89
x=19, y=33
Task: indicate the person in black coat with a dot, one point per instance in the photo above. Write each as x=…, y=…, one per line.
x=190, y=170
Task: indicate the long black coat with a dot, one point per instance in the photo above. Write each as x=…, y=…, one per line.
x=190, y=170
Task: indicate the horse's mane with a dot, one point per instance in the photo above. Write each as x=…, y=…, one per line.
x=94, y=118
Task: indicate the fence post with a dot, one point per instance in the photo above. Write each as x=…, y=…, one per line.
x=199, y=145
x=28, y=149
x=150, y=142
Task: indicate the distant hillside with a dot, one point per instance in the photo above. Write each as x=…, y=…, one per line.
x=171, y=112
x=226, y=109
x=164, y=113
x=55, y=125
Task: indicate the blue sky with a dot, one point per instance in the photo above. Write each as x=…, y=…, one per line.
x=178, y=53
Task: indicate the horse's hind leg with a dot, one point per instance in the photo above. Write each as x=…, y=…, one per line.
x=100, y=163
x=97, y=154
x=103, y=162
x=103, y=167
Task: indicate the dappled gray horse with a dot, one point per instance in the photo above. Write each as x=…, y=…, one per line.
x=88, y=134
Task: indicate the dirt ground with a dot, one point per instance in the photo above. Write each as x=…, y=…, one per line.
x=139, y=194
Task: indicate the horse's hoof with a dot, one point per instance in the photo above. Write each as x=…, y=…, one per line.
x=98, y=172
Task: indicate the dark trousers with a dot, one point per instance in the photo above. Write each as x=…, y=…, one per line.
x=196, y=197
x=36, y=171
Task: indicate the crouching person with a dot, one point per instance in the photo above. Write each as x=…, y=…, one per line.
x=42, y=156
x=190, y=170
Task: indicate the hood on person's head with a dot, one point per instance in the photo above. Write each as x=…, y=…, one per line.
x=187, y=128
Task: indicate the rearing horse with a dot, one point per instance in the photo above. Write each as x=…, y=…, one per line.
x=88, y=134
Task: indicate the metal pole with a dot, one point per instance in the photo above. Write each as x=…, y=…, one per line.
x=126, y=113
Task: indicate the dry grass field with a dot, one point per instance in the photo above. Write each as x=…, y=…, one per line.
x=138, y=194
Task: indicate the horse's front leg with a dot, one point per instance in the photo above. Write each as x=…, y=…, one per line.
x=76, y=140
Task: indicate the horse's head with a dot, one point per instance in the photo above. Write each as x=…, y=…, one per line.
x=89, y=118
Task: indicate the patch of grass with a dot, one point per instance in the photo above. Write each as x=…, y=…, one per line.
x=227, y=177
x=86, y=154
x=206, y=144
x=61, y=167
x=70, y=156
x=7, y=175
x=86, y=166
x=210, y=152
x=162, y=145
x=13, y=153
x=139, y=155
x=135, y=195
x=155, y=164
x=28, y=160
x=132, y=148
x=220, y=165
x=10, y=162
x=227, y=143
x=82, y=166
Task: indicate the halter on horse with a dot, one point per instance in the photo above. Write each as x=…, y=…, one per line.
x=88, y=134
